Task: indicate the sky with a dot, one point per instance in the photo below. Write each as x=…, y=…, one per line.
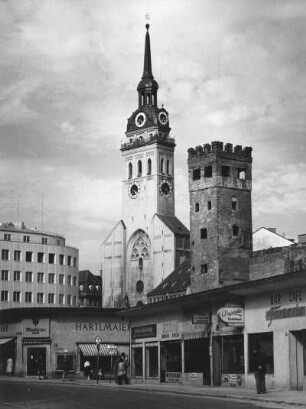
x=228, y=70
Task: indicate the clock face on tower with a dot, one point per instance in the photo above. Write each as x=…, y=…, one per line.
x=134, y=190
x=163, y=118
x=140, y=119
x=165, y=188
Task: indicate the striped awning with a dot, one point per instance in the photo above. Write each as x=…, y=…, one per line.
x=105, y=349
x=5, y=340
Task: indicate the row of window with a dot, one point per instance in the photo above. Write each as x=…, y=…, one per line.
x=235, y=231
x=27, y=239
x=40, y=298
x=40, y=257
x=234, y=205
x=225, y=172
x=5, y=276
x=163, y=169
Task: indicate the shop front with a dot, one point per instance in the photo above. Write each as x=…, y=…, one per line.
x=276, y=325
x=174, y=350
x=57, y=341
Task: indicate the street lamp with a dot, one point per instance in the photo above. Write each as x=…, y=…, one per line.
x=98, y=342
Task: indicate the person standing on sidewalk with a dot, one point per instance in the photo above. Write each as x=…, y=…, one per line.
x=260, y=370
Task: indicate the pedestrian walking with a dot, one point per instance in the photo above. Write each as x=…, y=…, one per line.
x=9, y=366
x=122, y=370
x=260, y=370
x=87, y=369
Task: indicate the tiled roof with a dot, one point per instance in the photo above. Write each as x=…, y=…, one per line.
x=177, y=281
x=175, y=225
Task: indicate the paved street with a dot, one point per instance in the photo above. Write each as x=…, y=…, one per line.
x=30, y=395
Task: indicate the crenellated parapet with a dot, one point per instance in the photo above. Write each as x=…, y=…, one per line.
x=222, y=150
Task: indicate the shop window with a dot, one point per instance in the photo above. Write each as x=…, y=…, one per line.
x=197, y=207
x=197, y=356
x=225, y=171
x=171, y=355
x=137, y=362
x=65, y=362
x=203, y=233
x=196, y=175
x=232, y=354
x=208, y=171
x=151, y=361
x=149, y=167
x=261, y=343
x=17, y=255
x=209, y=205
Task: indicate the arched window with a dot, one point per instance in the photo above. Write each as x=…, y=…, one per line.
x=130, y=171
x=139, y=166
x=168, y=167
x=140, y=263
x=149, y=167
x=148, y=99
x=142, y=99
x=153, y=99
x=162, y=165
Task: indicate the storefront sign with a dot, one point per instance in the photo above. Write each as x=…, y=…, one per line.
x=232, y=316
x=146, y=331
x=200, y=319
x=101, y=326
x=36, y=328
x=285, y=313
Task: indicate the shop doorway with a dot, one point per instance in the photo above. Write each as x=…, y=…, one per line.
x=297, y=357
x=36, y=357
x=7, y=351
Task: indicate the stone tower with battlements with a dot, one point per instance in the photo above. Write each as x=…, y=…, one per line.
x=220, y=184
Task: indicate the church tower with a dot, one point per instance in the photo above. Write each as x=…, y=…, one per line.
x=220, y=184
x=149, y=242
x=148, y=179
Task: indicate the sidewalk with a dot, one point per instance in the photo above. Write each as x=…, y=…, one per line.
x=295, y=399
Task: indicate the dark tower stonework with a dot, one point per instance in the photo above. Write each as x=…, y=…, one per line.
x=220, y=184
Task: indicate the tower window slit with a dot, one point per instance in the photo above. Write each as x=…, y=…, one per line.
x=197, y=207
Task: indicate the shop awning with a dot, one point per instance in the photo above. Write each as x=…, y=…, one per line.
x=105, y=349
x=5, y=340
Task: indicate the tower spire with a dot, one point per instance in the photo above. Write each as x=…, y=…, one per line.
x=147, y=66
x=147, y=88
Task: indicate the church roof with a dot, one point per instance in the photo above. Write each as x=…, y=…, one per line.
x=177, y=281
x=175, y=225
